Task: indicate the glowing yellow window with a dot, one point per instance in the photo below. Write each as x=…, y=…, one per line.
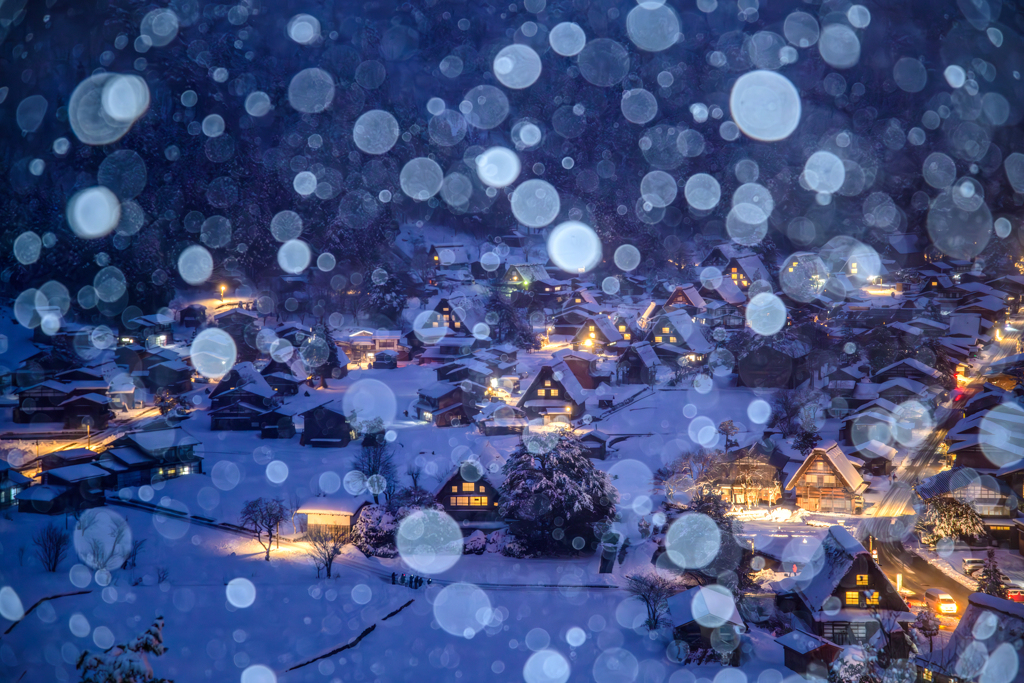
x=482, y=488
x=468, y=486
x=665, y=330
x=554, y=393
x=435, y=258
x=872, y=598
x=657, y=340
x=622, y=328
x=461, y=501
x=455, y=489
x=578, y=300
x=862, y=579
x=445, y=310
x=626, y=336
x=515, y=278
x=590, y=329
x=475, y=501
x=735, y=276
x=852, y=597
x=540, y=392
x=593, y=336
x=853, y=268
x=927, y=675
x=458, y=325
x=547, y=383
x=435, y=323
x=934, y=284
x=547, y=289
x=734, y=270
x=672, y=340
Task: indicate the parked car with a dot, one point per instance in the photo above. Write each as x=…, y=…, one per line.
x=1015, y=594
x=972, y=564
x=940, y=602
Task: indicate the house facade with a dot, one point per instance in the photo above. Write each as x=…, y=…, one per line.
x=827, y=481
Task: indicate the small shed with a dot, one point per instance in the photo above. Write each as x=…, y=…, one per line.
x=385, y=360
x=43, y=499
x=333, y=515
x=808, y=655
x=700, y=612
x=596, y=443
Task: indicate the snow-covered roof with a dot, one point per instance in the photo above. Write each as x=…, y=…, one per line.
x=44, y=493
x=876, y=449
x=236, y=311
x=76, y=473
x=327, y=505
x=703, y=605
x=754, y=268
x=437, y=389
x=161, y=439
x=91, y=398
x=914, y=363
x=835, y=455
x=802, y=642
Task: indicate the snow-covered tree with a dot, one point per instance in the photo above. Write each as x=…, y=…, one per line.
x=786, y=406
x=654, y=590
x=384, y=293
x=991, y=580
x=927, y=625
x=806, y=441
x=125, y=662
x=508, y=324
x=375, y=458
x=947, y=517
x=728, y=430
x=554, y=493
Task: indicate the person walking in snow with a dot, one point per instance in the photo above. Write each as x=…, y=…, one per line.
x=392, y=578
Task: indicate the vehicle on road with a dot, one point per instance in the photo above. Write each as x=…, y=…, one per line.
x=939, y=601
x=972, y=564
x=1015, y=594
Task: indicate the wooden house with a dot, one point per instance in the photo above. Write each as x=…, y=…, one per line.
x=748, y=477
x=90, y=410
x=330, y=515
x=519, y=276
x=840, y=594
x=910, y=368
x=45, y=499
x=638, y=365
x=1002, y=619
x=808, y=655
x=12, y=482
x=150, y=331
x=684, y=298
x=449, y=256
x=675, y=334
x=70, y=456
x=905, y=249
x=596, y=443
x=877, y=457
x=84, y=483
x=442, y=404
x=192, y=315
x=991, y=497
x=473, y=503
x=500, y=419
x=150, y=455
x=556, y=394
x=739, y=266
x=326, y=426
x=239, y=398
x=703, y=615
x=828, y=482
x=722, y=313
x=775, y=364
x=598, y=334
x=549, y=292
x=47, y=401
x=235, y=320
x=173, y=375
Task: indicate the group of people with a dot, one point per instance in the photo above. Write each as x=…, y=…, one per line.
x=411, y=581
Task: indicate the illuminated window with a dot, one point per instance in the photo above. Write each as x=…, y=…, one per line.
x=475, y=501
x=622, y=328
x=455, y=489
x=554, y=392
x=590, y=329
x=515, y=278
x=435, y=323
x=445, y=310
x=461, y=501
x=927, y=675
x=626, y=336
x=578, y=300
x=482, y=488
x=540, y=392
x=872, y=598
x=665, y=330
x=934, y=284
x=853, y=268
x=592, y=335
x=458, y=325
x=470, y=486
x=435, y=258
x=657, y=340
x=547, y=289
x=734, y=270
x=547, y=383
x=862, y=579
x=852, y=597
x=672, y=340
x=735, y=276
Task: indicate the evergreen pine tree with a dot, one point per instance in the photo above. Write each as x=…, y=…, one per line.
x=554, y=493
x=991, y=581
x=508, y=326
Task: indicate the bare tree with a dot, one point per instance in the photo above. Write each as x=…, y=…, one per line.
x=414, y=472
x=51, y=546
x=375, y=458
x=263, y=517
x=691, y=471
x=654, y=591
x=786, y=406
x=324, y=546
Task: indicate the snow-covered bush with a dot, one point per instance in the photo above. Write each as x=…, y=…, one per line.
x=514, y=548
x=374, y=532
x=475, y=544
x=496, y=541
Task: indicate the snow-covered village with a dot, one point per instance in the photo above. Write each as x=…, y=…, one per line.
x=672, y=341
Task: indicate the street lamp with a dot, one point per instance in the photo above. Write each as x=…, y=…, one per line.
x=222, y=289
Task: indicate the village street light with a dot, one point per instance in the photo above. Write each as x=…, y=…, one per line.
x=222, y=289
